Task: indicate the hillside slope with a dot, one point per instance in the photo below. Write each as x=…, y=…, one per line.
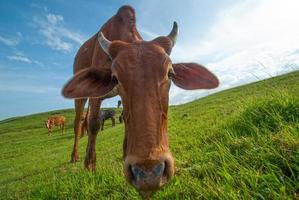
x=238, y=144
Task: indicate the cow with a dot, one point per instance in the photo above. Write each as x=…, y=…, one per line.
x=105, y=115
x=55, y=121
x=141, y=73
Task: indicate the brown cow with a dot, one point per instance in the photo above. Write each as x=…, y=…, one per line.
x=55, y=121
x=141, y=73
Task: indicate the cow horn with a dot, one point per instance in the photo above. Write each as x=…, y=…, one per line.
x=174, y=33
x=104, y=43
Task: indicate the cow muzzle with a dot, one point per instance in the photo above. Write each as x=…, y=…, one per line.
x=149, y=175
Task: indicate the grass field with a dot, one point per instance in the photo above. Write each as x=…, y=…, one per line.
x=242, y=143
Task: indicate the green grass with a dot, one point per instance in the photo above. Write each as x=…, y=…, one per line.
x=242, y=143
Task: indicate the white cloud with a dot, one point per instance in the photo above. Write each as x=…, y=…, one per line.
x=148, y=35
x=19, y=34
x=9, y=41
x=20, y=58
x=38, y=63
x=56, y=35
x=54, y=19
x=250, y=41
x=37, y=6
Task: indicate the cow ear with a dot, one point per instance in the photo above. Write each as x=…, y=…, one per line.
x=190, y=76
x=91, y=82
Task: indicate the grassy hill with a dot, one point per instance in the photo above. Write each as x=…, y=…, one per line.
x=242, y=143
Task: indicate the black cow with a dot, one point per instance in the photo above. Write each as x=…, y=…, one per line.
x=107, y=114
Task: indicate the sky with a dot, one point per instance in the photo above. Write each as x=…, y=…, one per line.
x=241, y=41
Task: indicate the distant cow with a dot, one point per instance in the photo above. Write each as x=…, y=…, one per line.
x=105, y=115
x=55, y=121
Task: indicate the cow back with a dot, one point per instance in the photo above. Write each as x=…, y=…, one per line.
x=56, y=120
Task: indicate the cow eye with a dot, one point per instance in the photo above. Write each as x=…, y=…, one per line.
x=171, y=73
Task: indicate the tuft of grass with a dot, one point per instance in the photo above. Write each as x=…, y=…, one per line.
x=271, y=115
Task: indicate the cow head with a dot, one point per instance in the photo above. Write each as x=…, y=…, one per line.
x=142, y=73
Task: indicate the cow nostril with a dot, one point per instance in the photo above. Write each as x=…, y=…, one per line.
x=159, y=169
x=137, y=172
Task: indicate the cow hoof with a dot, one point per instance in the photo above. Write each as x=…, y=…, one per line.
x=74, y=158
x=90, y=165
x=90, y=168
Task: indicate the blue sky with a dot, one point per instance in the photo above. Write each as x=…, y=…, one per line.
x=241, y=41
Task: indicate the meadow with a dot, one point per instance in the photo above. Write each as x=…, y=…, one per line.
x=242, y=143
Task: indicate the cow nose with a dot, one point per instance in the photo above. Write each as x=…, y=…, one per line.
x=148, y=178
x=141, y=174
x=148, y=175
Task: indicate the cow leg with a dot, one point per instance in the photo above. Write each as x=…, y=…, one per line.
x=82, y=130
x=102, y=124
x=121, y=117
x=79, y=108
x=113, y=121
x=94, y=125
